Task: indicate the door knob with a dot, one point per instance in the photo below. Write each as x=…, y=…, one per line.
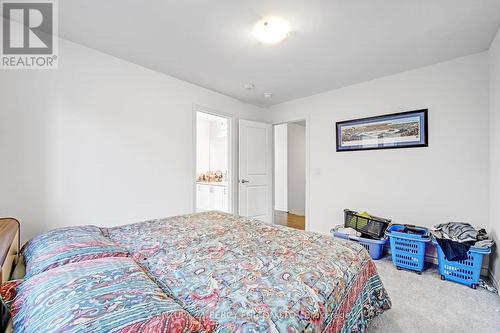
x=243, y=181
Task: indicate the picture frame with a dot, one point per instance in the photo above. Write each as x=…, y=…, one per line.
x=407, y=129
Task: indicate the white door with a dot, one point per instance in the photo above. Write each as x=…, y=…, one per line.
x=255, y=166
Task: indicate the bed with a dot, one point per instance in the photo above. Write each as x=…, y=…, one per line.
x=207, y=272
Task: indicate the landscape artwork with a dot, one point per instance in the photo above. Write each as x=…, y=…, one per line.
x=398, y=130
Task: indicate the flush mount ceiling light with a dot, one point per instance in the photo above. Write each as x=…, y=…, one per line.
x=271, y=29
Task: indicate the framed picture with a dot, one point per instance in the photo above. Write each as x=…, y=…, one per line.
x=397, y=130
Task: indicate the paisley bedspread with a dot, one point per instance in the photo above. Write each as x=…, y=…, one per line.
x=101, y=295
x=234, y=274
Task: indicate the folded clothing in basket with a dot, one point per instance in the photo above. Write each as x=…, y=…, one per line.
x=454, y=251
x=484, y=243
x=347, y=231
x=459, y=232
x=413, y=230
x=456, y=238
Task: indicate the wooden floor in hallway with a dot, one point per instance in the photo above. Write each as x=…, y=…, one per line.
x=290, y=220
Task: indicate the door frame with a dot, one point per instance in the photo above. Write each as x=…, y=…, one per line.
x=307, y=176
x=231, y=154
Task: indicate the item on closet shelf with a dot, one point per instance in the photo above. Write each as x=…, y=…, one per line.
x=201, y=177
x=365, y=223
x=408, y=244
x=219, y=177
x=211, y=177
x=374, y=247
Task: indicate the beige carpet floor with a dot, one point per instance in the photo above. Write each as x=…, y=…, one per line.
x=424, y=303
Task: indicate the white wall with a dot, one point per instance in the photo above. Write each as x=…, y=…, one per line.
x=100, y=141
x=425, y=186
x=280, y=167
x=494, y=70
x=219, y=149
x=296, y=169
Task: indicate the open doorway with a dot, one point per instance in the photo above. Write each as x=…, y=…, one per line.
x=213, y=161
x=290, y=174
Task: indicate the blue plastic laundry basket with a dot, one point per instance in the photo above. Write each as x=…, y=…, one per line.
x=408, y=250
x=465, y=271
x=374, y=246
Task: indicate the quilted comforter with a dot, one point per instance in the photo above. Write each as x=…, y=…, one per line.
x=234, y=274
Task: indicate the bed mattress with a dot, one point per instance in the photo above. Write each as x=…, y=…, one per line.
x=234, y=274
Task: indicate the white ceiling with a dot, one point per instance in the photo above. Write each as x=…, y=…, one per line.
x=334, y=43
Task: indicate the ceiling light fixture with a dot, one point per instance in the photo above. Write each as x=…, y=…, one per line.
x=271, y=29
x=268, y=95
